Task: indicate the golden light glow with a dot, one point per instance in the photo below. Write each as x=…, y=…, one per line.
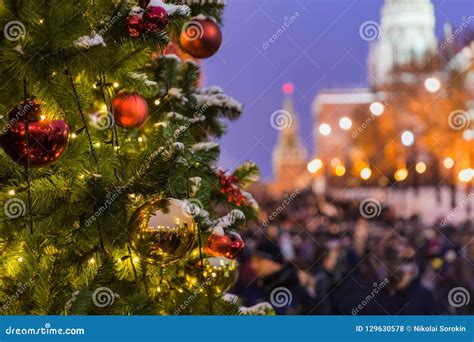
x=73, y=136
x=466, y=175
x=315, y=165
x=420, y=167
x=140, y=139
x=340, y=170
x=401, y=175
x=335, y=162
x=136, y=259
x=91, y=261
x=11, y=192
x=20, y=259
x=157, y=102
x=42, y=117
x=116, y=85
x=365, y=173
x=448, y=162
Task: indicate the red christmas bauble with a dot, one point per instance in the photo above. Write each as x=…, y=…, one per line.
x=229, y=245
x=201, y=37
x=47, y=138
x=130, y=110
x=155, y=19
x=134, y=25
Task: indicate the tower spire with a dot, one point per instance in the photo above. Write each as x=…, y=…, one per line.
x=290, y=154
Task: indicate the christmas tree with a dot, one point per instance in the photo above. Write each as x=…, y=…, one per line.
x=113, y=201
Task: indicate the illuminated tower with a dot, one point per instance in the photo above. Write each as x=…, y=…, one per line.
x=290, y=154
x=407, y=42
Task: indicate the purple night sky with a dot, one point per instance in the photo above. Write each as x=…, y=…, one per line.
x=321, y=49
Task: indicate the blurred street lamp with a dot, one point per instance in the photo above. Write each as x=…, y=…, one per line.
x=420, y=167
x=365, y=173
x=376, y=108
x=325, y=129
x=407, y=138
x=448, y=163
x=315, y=165
x=340, y=170
x=432, y=84
x=345, y=123
x=401, y=175
x=466, y=175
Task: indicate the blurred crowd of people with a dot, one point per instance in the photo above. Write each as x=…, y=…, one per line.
x=313, y=255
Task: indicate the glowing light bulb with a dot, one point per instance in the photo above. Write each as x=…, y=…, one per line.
x=116, y=85
x=365, y=173
x=432, y=84
x=340, y=170
x=73, y=136
x=448, y=163
x=377, y=109
x=325, y=129
x=91, y=261
x=345, y=123
x=315, y=165
x=466, y=175
x=11, y=192
x=401, y=175
x=407, y=138
x=420, y=167
x=20, y=259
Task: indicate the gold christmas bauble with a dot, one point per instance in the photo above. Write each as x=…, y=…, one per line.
x=220, y=273
x=161, y=231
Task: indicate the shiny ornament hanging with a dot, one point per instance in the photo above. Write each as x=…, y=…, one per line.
x=130, y=110
x=201, y=37
x=47, y=138
x=134, y=25
x=229, y=245
x=161, y=232
x=220, y=273
x=155, y=19
x=217, y=273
